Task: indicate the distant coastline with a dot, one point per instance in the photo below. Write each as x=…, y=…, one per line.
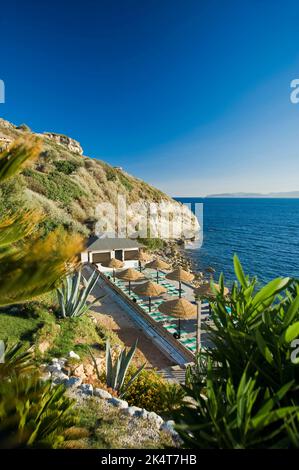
x=287, y=195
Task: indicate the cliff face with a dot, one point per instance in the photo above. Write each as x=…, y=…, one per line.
x=71, y=188
x=70, y=144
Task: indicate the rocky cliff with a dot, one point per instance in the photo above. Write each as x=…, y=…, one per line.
x=70, y=188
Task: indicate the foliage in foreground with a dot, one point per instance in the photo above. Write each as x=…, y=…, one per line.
x=32, y=412
x=29, y=265
x=245, y=388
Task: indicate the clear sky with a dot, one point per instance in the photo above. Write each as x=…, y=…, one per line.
x=191, y=95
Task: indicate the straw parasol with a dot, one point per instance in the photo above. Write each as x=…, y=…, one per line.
x=179, y=308
x=158, y=264
x=143, y=257
x=115, y=264
x=130, y=275
x=205, y=291
x=149, y=289
x=180, y=275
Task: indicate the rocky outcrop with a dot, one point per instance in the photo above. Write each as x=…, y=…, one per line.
x=68, y=142
x=6, y=124
x=72, y=189
x=79, y=391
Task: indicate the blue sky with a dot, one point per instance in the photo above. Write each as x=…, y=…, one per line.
x=192, y=96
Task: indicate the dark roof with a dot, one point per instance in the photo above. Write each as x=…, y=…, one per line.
x=98, y=244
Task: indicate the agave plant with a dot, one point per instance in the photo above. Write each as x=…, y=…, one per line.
x=116, y=373
x=73, y=299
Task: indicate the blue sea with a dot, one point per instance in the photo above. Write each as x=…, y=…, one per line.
x=263, y=232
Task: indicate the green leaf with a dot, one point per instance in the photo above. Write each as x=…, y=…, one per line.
x=291, y=312
x=270, y=290
x=239, y=272
x=291, y=333
x=263, y=347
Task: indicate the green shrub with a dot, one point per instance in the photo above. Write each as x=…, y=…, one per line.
x=55, y=186
x=111, y=174
x=142, y=392
x=152, y=392
x=153, y=243
x=125, y=182
x=245, y=387
x=242, y=416
x=66, y=166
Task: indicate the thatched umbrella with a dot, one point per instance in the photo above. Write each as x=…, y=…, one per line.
x=179, y=308
x=180, y=275
x=115, y=264
x=143, y=257
x=149, y=289
x=130, y=275
x=158, y=264
x=205, y=291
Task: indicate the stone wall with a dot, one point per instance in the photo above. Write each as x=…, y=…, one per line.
x=79, y=390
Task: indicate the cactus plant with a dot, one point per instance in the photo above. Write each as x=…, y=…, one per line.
x=72, y=299
x=116, y=373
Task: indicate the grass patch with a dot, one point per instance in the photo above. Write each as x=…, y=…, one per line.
x=16, y=328
x=75, y=334
x=35, y=324
x=125, y=182
x=109, y=429
x=25, y=322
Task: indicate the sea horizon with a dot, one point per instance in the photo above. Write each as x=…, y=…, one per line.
x=263, y=232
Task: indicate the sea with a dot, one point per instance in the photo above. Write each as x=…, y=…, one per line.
x=263, y=232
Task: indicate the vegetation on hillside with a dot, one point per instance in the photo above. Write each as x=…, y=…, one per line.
x=67, y=187
x=30, y=265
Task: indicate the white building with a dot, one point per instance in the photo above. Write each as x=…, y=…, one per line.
x=100, y=251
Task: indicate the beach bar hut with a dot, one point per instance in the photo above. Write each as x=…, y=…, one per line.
x=100, y=251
